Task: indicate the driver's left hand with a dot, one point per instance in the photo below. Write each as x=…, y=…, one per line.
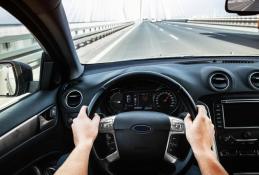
x=84, y=129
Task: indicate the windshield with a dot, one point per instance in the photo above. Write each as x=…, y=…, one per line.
x=119, y=30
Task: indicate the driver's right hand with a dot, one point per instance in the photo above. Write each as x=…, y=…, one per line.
x=200, y=131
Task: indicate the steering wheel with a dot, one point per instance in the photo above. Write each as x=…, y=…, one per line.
x=144, y=135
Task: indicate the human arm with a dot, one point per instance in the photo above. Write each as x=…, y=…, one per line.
x=85, y=131
x=200, y=135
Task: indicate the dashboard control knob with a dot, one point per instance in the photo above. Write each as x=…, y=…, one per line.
x=227, y=139
x=247, y=135
x=128, y=99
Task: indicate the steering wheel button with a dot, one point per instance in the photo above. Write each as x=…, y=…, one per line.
x=171, y=151
x=109, y=137
x=177, y=127
x=112, y=149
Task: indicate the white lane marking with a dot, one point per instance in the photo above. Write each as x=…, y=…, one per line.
x=171, y=35
x=174, y=37
x=110, y=47
x=176, y=25
x=189, y=28
x=220, y=34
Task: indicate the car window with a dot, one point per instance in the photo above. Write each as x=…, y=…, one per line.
x=16, y=44
x=121, y=30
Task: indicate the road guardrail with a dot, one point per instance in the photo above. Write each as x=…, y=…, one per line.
x=251, y=21
x=96, y=33
x=31, y=54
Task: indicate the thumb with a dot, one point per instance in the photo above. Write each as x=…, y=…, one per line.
x=96, y=120
x=188, y=121
x=82, y=112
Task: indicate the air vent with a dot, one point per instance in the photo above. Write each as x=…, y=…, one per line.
x=254, y=80
x=238, y=61
x=194, y=62
x=74, y=99
x=219, y=81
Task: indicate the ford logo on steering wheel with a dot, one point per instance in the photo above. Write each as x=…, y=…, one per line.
x=141, y=129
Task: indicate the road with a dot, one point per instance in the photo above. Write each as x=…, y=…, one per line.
x=166, y=39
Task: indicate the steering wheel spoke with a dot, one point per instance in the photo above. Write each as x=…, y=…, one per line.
x=177, y=130
x=112, y=157
x=177, y=125
x=106, y=127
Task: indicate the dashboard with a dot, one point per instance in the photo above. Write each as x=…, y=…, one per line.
x=229, y=89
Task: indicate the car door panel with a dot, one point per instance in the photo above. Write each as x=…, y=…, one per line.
x=29, y=130
x=25, y=109
x=18, y=135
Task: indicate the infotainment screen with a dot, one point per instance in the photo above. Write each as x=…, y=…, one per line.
x=245, y=114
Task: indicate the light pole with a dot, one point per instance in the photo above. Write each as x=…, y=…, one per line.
x=140, y=10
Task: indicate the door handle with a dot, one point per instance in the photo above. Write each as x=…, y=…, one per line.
x=48, y=118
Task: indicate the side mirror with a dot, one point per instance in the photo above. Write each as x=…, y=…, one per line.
x=242, y=7
x=15, y=78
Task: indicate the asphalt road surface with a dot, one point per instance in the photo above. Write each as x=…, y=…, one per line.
x=168, y=39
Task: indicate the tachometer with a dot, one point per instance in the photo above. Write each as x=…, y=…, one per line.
x=166, y=102
x=116, y=102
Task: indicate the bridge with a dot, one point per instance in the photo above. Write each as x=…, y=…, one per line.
x=215, y=36
x=143, y=37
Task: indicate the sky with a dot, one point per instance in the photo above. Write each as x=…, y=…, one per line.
x=106, y=10
x=119, y=10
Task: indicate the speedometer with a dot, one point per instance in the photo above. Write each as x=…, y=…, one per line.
x=166, y=102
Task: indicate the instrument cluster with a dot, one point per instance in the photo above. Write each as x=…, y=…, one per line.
x=161, y=100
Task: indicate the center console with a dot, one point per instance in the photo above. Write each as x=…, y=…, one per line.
x=237, y=133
